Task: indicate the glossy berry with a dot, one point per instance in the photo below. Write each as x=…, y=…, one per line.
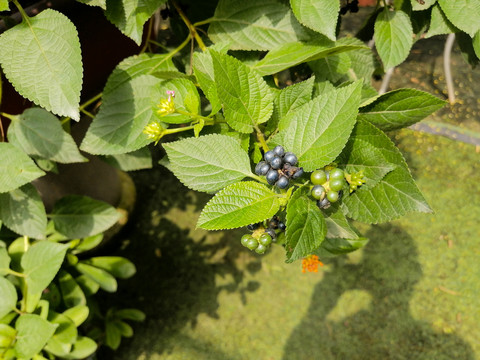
x=276, y=162
x=318, y=192
x=251, y=243
x=269, y=155
x=298, y=173
x=252, y=227
x=318, y=177
x=337, y=184
x=336, y=174
x=272, y=176
x=290, y=158
x=332, y=196
x=261, y=249
x=262, y=168
x=279, y=151
x=323, y=204
x=245, y=239
x=282, y=182
x=272, y=233
x=281, y=226
x=273, y=223
x=265, y=239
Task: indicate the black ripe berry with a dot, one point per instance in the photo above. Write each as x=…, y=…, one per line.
x=269, y=155
x=290, y=158
x=279, y=150
x=281, y=226
x=298, y=173
x=323, y=204
x=272, y=233
x=252, y=227
x=276, y=162
x=272, y=176
x=262, y=168
x=282, y=182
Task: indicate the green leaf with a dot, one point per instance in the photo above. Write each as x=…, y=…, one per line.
x=335, y=247
x=41, y=58
x=117, y=266
x=65, y=334
x=16, y=168
x=337, y=224
x=78, y=314
x=22, y=211
x=82, y=349
x=253, y=25
x=129, y=16
x=8, y=294
x=7, y=336
x=395, y=195
x=4, y=5
x=306, y=228
x=113, y=335
x=78, y=216
x=100, y=3
x=72, y=293
x=238, y=205
x=106, y=281
x=125, y=329
x=41, y=263
x=88, y=285
x=88, y=243
x=292, y=54
x=476, y=44
x=400, y=108
x=439, y=24
x=118, y=127
x=33, y=332
x=245, y=96
x=318, y=15
x=332, y=68
x=465, y=44
x=136, y=160
x=186, y=99
x=393, y=37
x=4, y=262
x=38, y=132
x=208, y=163
x=362, y=60
x=159, y=65
x=320, y=129
x=417, y=6
x=464, y=14
x=130, y=314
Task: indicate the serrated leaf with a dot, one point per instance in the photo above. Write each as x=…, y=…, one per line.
x=41, y=58
x=338, y=246
x=33, y=333
x=16, y=168
x=362, y=60
x=253, y=25
x=4, y=5
x=245, y=96
x=78, y=216
x=332, y=68
x=38, y=132
x=72, y=293
x=100, y=3
x=41, y=263
x=136, y=160
x=393, y=37
x=322, y=87
x=238, y=205
x=208, y=163
x=186, y=99
x=292, y=54
x=306, y=228
x=464, y=14
x=320, y=129
x=439, y=24
x=129, y=16
x=465, y=44
x=337, y=224
x=4, y=262
x=117, y=266
x=159, y=65
x=8, y=294
x=400, y=108
x=318, y=15
x=106, y=281
x=418, y=6
x=395, y=195
x=23, y=212
x=118, y=127
x=203, y=70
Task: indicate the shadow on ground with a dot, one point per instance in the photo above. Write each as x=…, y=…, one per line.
x=380, y=326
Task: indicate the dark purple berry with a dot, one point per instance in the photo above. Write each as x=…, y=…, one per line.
x=282, y=182
x=273, y=223
x=298, y=173
x=279, y=151
x=272, y=233
x=269, y=155
x=276, y=162
x=252, y=227
x=282, y=226
x=323, y=204
x=272, y=176
x=290, y=158
x=262, y=168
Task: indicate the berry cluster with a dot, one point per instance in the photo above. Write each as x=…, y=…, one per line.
x=355, y=180
x=327, y=186
x=263, y=235
x=279, y=167
x=349, y=6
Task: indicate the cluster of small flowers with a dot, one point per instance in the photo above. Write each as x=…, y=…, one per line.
x=311, y=263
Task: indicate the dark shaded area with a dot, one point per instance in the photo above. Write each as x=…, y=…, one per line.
x=388, y=271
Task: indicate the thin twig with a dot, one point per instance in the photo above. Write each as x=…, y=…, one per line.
x=386, y=81
x=447, y=51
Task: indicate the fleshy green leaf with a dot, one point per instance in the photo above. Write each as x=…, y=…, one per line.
x=208, y=163
x=4, y=262
x=439, y=24
x=88, y=285
x=135, y=160
x=318, y=15
x=106, y=281
x=22, y=211
x=41, y=263
x=400, y=108
x=337, y=224
x=319, y=130
x=254, y=25
x=186, y=99
x=418, y=6
x=72, y=293
x=129, y=16
x=16, y=168
x=464, y=14
x=335, y=247
x=306, y=228
x=113, y=335
x=38, y=132
x=238, y=205
x=33, y=332
x=118, y=127
x=82, y=349
x=65, y=334
x=78, y=216
x=393, y=37
x=291, y=54
x=117, y=266
x=41, y=58
x=8, y=294
x=130, y=314
x=78, y=314
x=245, y=96
x=395, y=195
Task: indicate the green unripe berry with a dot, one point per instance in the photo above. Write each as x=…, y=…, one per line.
x=265, y=239
x=252, y=244
x=332, y=196
x=245, y=239
x=261, y=249
x=318, y=191
x=337, y=184
x=318, y=177
x=336, y=174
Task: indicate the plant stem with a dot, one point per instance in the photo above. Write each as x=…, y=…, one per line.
x=261, y=138
x=88, y=102
x=196, y=116
x=15, y=273
x=386, y=81
x=89, y=114
x=149, y=31
x=203, y=22
x=191, y=27
x=447, y=51
x=9, y=116
x=177, y=130
x=21, y=11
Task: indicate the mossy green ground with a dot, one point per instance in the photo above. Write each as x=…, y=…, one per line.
x=412, y=293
